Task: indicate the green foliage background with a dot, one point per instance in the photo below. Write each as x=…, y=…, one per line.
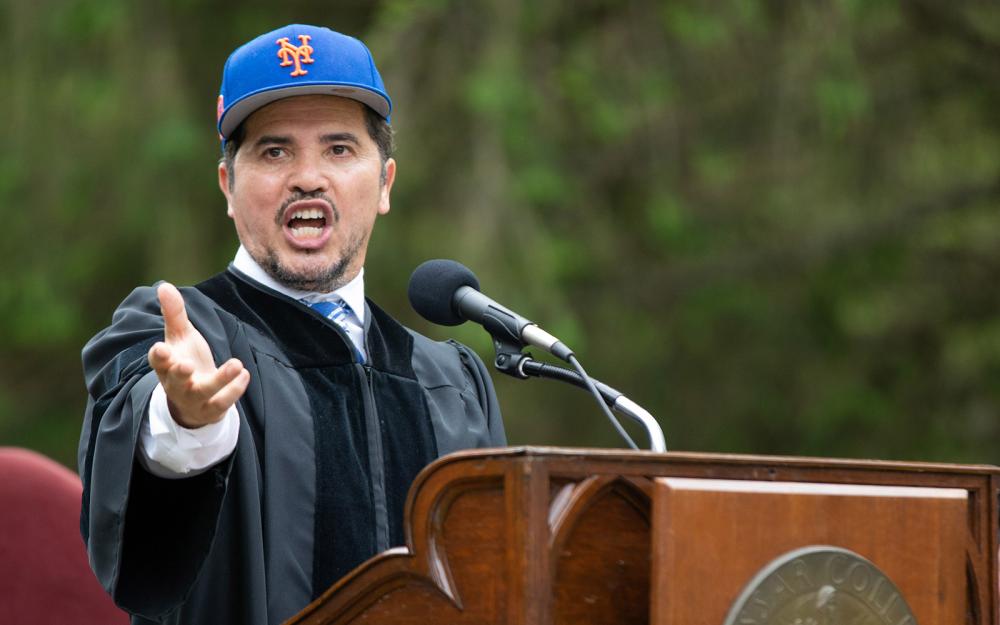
x=774, y=224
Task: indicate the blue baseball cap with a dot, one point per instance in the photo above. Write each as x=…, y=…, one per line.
x=297, y=60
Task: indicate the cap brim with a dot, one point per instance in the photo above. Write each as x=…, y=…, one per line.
x=241, y=109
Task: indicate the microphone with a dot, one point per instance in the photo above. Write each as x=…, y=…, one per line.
x=446, y=292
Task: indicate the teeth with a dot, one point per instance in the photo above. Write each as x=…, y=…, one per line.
x=306, y=233
x=312, y=213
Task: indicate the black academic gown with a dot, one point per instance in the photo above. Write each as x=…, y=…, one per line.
x=327, y=451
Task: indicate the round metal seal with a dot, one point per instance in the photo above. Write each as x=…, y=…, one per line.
x=820, y=585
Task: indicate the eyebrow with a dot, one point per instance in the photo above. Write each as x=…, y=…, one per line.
x=340, y=136
x=272, y=140
x=328, y=138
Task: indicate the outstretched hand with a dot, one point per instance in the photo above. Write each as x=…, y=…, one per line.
x=198, y=392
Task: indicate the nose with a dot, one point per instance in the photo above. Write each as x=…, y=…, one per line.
x=307, y=175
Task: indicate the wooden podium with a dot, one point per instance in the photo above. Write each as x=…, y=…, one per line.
x=532, y=536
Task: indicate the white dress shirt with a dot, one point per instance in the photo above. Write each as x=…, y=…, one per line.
x=169, y=450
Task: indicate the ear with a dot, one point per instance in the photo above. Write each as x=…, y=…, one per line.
x=224, y=186
x=390, y=177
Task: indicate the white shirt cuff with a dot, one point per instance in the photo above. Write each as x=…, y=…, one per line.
x=170, y=450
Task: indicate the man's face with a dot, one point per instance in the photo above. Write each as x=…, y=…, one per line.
x=306, y=190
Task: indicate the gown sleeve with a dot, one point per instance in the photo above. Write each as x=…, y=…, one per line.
x=146, y=537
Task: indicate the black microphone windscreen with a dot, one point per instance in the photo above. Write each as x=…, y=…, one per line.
x=432, y=289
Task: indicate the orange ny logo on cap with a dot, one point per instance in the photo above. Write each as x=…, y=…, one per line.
x=299, y=54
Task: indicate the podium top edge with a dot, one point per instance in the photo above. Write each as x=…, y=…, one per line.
x=688, y=458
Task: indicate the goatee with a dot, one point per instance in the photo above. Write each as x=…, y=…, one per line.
x=324, y=282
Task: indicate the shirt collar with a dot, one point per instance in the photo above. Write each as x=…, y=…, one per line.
x=353, y=292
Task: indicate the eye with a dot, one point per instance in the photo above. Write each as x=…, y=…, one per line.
x=274, y=152
x=340, y=150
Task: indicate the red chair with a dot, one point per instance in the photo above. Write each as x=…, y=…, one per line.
x=44, y=575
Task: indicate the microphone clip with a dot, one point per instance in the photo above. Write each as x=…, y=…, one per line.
x=510, y=357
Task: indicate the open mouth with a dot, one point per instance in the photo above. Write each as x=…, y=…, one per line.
x=307, y=223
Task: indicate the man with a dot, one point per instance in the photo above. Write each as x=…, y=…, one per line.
x=251, y=439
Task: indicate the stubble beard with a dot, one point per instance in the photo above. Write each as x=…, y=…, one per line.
x=321, y=280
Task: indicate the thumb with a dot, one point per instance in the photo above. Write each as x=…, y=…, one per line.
x=175, y=318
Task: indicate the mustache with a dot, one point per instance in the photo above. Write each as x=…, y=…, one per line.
x=298, y=196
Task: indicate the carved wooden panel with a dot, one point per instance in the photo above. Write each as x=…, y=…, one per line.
x=600, y=549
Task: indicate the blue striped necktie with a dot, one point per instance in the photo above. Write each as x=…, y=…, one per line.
x=338, y=312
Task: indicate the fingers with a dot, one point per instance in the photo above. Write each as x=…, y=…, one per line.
x=212, y=395
x=232, y=391
x=163, y=359
x=181, y=378
x=160, y=356
x=175, y=318
x=225, y=374
x=180, y=372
